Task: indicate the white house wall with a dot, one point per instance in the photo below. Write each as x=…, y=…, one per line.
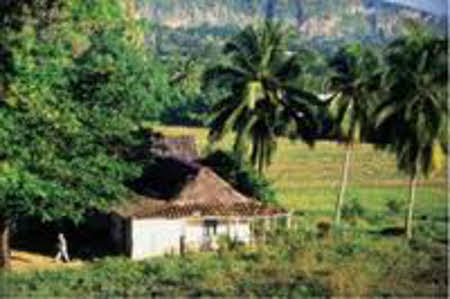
x=152, y=237
x=240, y=231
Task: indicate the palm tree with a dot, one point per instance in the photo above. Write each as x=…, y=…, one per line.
x=354, y=75
x=263, y=98
x=413, y=116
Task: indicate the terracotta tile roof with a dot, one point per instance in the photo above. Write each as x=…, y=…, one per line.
x=171, y=210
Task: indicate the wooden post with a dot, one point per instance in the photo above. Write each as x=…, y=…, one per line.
x=236, y=229
x=249, y=219
x=266, y=228
x=182, y=245
x=253, y=237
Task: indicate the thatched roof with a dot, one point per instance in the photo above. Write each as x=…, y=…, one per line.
x=203, y=193
x=175, y=185
x=181, y=147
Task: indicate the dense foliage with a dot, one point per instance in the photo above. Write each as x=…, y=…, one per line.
x=232, y=167
x=73, y=93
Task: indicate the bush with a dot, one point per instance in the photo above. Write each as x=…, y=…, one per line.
x=353, y=207
x=231, y=167
x=395, y=206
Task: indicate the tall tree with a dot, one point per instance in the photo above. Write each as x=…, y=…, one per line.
x=263, y=95
x=62, y=136
x=354, y=75
x=414, y=114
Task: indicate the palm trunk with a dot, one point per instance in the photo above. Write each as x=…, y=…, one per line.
x=5, y=262
x=340, y=201
x=412, y=200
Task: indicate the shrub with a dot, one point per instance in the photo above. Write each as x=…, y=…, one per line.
x=231, y=167
x=395, y=206
x=348, y=248
x=353, y=207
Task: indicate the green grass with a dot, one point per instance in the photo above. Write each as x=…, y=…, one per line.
x=308, y=179
x=357, y=260
x=294, y=264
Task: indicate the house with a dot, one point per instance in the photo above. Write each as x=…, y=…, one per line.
x=183, y=206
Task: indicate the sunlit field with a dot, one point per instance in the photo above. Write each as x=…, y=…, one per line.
x=308, y=179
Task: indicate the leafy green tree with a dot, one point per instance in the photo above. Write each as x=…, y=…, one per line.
x=64, y=140
x=263, y=98
x=117, y=81
x=354, y=76
x=414, y=114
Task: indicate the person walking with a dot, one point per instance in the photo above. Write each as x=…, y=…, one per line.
x=62, y=249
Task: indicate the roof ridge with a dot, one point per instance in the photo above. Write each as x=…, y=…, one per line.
x=204, y=176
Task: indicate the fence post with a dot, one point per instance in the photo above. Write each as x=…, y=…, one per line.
x=266, y=228
x=251, y=229
x=182, y=245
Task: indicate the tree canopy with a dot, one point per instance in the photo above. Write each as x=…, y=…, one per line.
x=76, y=84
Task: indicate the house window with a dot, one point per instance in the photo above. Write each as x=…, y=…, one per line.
x=210, y=227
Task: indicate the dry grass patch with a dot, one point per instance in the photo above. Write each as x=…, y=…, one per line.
x=27, y=261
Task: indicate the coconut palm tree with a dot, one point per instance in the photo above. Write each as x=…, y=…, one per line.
x=263, y=98
x=414, y=114
x=354, y=76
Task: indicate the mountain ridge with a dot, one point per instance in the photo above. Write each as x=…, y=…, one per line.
x=311, y=17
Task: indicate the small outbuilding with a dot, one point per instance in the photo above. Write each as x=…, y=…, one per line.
x=188, y=213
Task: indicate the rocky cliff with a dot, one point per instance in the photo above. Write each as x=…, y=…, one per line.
x=311, y=17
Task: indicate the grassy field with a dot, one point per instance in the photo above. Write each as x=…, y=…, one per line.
x=291, y=264
x=308, y=179
x=363, y=259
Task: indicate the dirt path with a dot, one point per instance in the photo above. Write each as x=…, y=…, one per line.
x=27, y=261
